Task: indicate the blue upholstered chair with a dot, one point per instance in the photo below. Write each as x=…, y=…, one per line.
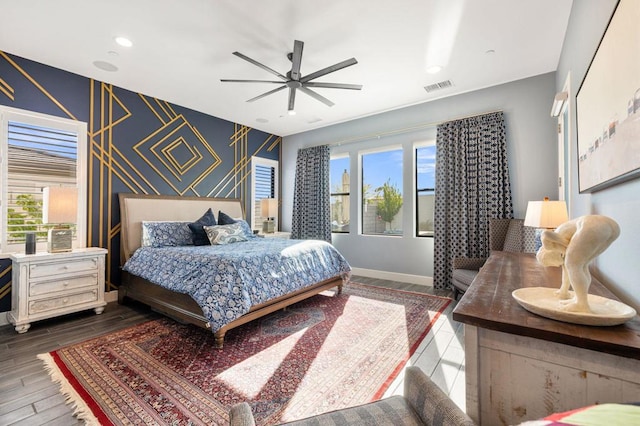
x=504, y=235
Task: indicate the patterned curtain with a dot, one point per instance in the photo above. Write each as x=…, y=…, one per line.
x=311, y=200
x=472, y=186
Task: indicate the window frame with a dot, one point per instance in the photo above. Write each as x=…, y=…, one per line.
x=361, y=210
x=339, y=194
x=417, y=190
x=266, y=162
x=9, y=114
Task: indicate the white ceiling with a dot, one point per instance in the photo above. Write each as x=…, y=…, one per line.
x=182, y=48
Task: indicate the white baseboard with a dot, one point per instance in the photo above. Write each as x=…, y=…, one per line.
x=394, y=276
x=111, y=296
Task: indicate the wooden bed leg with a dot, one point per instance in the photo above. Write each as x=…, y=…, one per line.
x=339, y=291
x=219, y=339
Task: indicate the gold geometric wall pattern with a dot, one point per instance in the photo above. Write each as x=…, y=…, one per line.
x=162, y=144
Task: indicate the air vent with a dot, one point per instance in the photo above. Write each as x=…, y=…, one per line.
x=438, y=86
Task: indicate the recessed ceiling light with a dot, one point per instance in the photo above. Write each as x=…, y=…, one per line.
x=434, y=69
x=113, y=53
x=262, y=120
x=490, y=52
x=105, y=66
x=123, y=41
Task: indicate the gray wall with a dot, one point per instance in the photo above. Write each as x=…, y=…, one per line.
x=531, y=154
x=619, y=266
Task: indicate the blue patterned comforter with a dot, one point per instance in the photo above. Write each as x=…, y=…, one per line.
x=227, y=280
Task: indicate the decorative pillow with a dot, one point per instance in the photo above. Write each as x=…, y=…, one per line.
x=225, y=219
x=162, y=234
x=248, y=233
x=225, y=234
x=197, y=228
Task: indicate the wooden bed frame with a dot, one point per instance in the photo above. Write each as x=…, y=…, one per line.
x=134, y=208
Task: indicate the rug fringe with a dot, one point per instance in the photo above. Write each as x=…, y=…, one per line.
x=80, y=409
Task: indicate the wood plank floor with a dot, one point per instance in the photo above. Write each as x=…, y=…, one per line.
x=28, y=397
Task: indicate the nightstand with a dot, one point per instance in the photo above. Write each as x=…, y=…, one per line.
x=283, y=235
x=46, y=285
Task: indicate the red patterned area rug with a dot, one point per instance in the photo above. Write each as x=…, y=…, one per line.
x=318, y=355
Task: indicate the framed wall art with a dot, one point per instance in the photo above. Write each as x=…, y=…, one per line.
x=608, y=105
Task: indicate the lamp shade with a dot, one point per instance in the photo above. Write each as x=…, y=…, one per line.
x=269, y=207
x=546, y=214
x=60, y=204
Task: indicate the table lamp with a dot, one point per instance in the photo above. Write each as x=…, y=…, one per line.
x=60, y=208
x=268, y=208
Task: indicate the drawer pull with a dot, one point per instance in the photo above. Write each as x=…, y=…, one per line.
x=65, y=283
x=65, y=267
x=65, y=301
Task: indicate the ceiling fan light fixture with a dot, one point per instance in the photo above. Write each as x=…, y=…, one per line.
x=295, y=81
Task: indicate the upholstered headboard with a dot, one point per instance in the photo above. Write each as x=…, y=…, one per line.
x=134, y=208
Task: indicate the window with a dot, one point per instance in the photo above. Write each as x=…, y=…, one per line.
x=340, y=194
x=425, y=189
x=37, y=151
x=263, y=185
x=382, y=192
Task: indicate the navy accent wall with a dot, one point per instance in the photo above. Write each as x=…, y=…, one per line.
x=137, y=144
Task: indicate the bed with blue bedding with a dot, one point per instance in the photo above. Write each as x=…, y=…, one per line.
x=219, y=286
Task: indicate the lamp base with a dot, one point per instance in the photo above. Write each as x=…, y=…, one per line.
x=268, y=227
x=59, y=240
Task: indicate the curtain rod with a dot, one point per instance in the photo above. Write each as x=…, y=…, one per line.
x=405, y=130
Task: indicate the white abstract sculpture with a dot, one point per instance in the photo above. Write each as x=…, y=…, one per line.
x=573, y=245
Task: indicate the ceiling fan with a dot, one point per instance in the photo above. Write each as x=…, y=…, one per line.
x=294, y=80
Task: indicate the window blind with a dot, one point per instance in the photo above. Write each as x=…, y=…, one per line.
x=36, y=157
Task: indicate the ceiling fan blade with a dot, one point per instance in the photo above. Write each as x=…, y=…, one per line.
x=296, y=60
x=267, y=93
x=226, y=80
x=258, y=64
x=332, y=68
x=292, y=98
x=316, y=96
x=334, y=85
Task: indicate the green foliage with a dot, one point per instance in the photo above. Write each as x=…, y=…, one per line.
x=27, y=220
x=390, y=201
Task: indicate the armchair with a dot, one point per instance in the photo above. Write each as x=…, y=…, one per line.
x=423, y=403
x=504, y=235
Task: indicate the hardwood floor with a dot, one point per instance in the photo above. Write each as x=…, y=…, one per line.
x=29, y=397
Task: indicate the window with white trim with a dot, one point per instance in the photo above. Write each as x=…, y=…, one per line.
x=264, y=184
x=36, y=151
x=381, y=190
x=340, y=194
x=425, y=157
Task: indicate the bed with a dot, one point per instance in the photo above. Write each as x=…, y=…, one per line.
x=256, y=290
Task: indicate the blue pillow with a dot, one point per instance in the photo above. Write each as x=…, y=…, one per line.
x=225, y=219
x=162, y=234
x=197, y=228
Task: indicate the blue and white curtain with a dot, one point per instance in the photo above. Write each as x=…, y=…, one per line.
x=472, y=186
x=312, y=200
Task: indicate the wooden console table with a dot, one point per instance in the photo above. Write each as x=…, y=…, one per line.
x=521, y=366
